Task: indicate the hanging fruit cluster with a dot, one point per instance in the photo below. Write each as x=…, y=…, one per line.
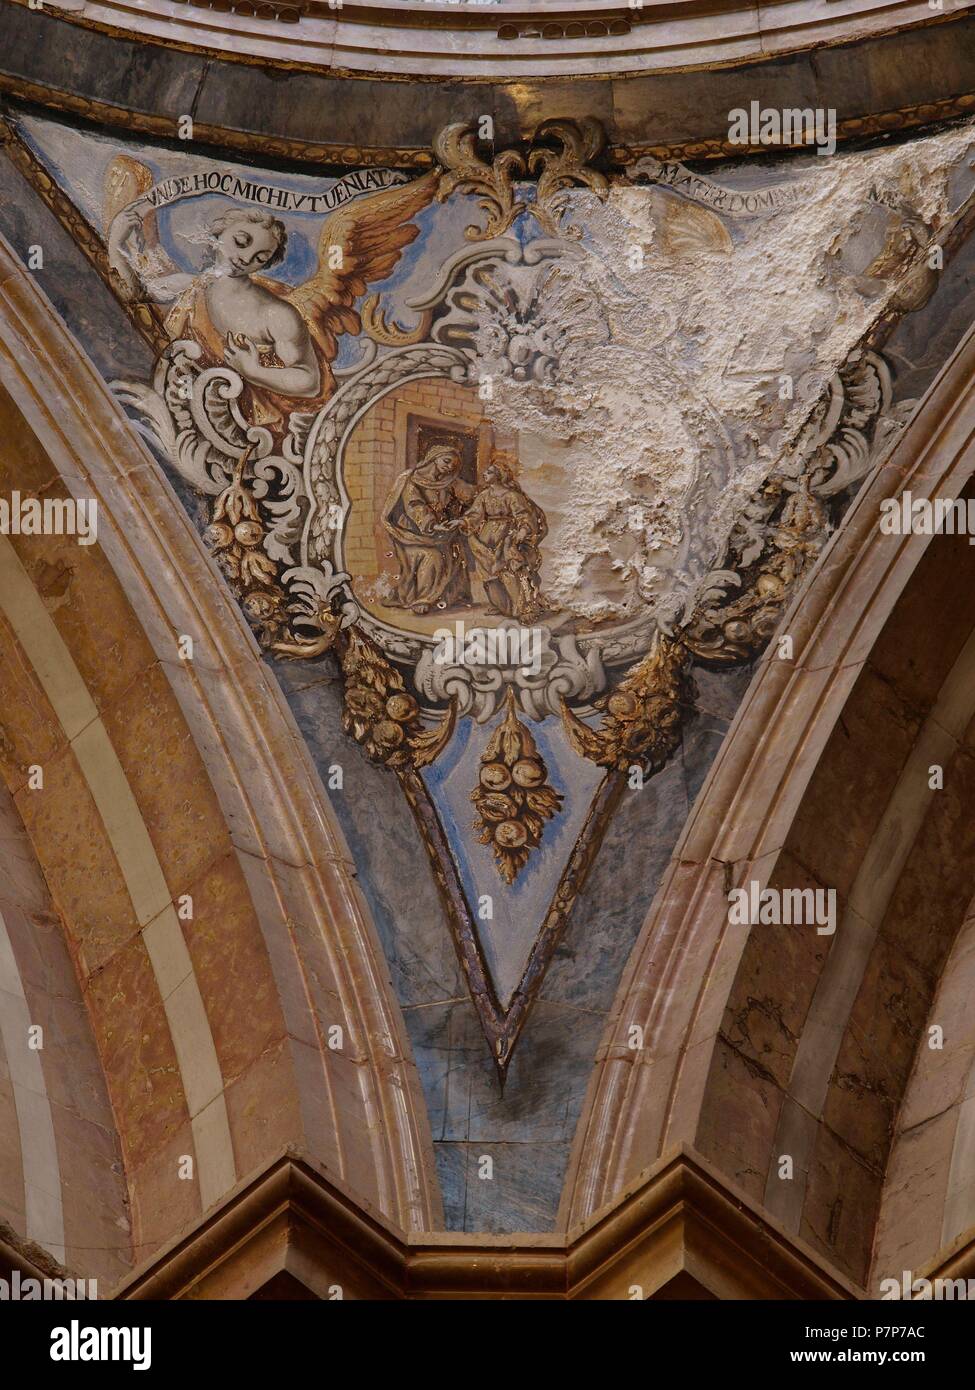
x=513, y=798
x=382, y=715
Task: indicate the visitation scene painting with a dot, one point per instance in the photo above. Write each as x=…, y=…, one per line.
x=517, y=457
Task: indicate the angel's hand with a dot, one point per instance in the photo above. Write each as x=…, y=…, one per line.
x=242, y=354
x=127, y=228
x=126, y=224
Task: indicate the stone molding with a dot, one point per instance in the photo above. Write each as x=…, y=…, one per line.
x=880, y=83
x=679, y=1231
x=481, y=41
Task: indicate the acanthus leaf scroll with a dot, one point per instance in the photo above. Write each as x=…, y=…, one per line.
x=365, y=486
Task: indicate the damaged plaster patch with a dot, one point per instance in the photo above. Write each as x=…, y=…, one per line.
x=684, y=351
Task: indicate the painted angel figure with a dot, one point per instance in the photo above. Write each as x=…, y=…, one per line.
x=281, y=339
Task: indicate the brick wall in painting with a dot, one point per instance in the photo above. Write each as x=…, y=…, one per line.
x=384, y=443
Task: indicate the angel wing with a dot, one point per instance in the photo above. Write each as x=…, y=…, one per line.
x=125, y=180
x=142, y=262
x=371, y=234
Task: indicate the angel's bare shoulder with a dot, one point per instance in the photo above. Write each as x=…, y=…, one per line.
x=284, y=320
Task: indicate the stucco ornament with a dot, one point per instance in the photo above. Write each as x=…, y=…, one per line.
x=508, y=403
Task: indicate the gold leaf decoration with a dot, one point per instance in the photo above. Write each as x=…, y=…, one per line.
x=513, y=798
x=380, y=713
x=236, y=536
x=298, y=648
x=389, y=334
x=733, y=620
x=642, y=716
x=456, y=149
x=568, y=167
x=125, y=180
x=687, y=230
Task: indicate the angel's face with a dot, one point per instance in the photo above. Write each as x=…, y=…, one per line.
x=243, y=248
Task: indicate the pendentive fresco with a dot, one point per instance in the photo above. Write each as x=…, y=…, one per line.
x=514, y=466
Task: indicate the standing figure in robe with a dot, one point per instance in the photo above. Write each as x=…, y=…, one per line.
x=504, y=528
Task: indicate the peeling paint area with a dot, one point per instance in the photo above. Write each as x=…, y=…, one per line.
x=688, y=349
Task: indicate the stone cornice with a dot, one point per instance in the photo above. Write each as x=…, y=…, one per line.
x=482, y=41
x=880, y=85
x=680, y=1230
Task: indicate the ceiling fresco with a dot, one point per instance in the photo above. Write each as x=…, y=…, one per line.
x=514, y=466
